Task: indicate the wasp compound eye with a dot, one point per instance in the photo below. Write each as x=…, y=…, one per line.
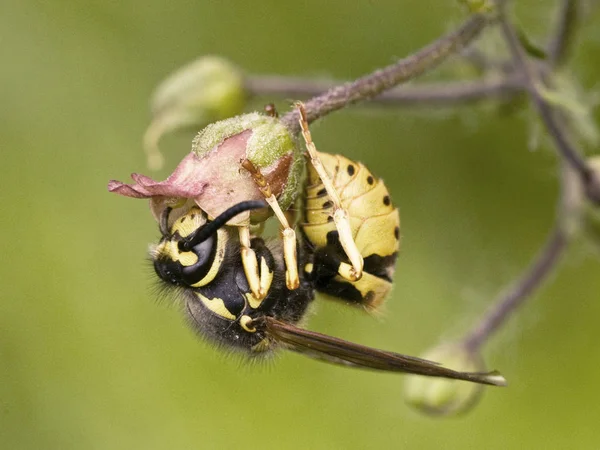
x=205, y=252
x=186, y=268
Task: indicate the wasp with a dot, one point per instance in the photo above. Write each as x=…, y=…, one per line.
x=249, y=158
x=356, y=208
x=199, y=258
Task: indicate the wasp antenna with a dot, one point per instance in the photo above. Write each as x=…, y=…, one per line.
x=211, y=228
x=164, y=221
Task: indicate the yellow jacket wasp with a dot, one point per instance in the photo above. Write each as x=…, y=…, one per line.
x=250, y=294
x=199, y=258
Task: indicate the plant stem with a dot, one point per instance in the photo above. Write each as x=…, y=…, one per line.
x=381, y=80
x=567, y=221
x=438, y=94
x=518, y=293
x=575, y=177
x=533, y=82
x=562, y=39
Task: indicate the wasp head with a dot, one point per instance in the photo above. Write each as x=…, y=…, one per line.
x=191, y=249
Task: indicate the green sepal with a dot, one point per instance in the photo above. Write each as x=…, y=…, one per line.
x=270, y=141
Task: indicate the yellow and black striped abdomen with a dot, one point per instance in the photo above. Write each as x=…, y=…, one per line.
x=375, y=225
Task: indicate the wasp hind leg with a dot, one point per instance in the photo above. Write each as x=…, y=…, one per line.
x=354, y=270
x=290, y=257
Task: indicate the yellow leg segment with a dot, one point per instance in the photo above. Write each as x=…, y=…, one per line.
x=250, y=264
x=289, y=235
x=340, y=215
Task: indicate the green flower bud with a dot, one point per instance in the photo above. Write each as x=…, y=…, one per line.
x=269, y=146
x=444, y=397
x=204, y=91
x=214, y=176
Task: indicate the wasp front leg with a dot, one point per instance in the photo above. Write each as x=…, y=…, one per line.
x=289, y=235
x=354, y=270
x=250, y=264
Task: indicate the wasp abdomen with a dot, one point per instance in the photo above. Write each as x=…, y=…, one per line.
x=375, y=225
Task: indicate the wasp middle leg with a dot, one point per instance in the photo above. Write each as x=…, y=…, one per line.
x=354, y=270
x=289, y=235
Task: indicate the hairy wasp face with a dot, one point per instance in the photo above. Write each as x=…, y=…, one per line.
x=189, y=265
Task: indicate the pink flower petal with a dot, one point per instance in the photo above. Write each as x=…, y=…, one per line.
x=185, y=182
x=215, y=181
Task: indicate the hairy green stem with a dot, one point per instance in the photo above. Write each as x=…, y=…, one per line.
x=519, y=292
x=567, y=221
x=448, y=93
x=533, y=82
x=562, y=39
x=575, y=176
x=381, y=80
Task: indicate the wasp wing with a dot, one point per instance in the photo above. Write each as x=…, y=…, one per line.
x=341, y=352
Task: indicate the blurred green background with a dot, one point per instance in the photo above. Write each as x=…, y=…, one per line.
x=89, y=359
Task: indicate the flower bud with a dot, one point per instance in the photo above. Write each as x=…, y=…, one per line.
x=441, y=396
x=213, y=177
x=204, y=91
x=269, y=146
